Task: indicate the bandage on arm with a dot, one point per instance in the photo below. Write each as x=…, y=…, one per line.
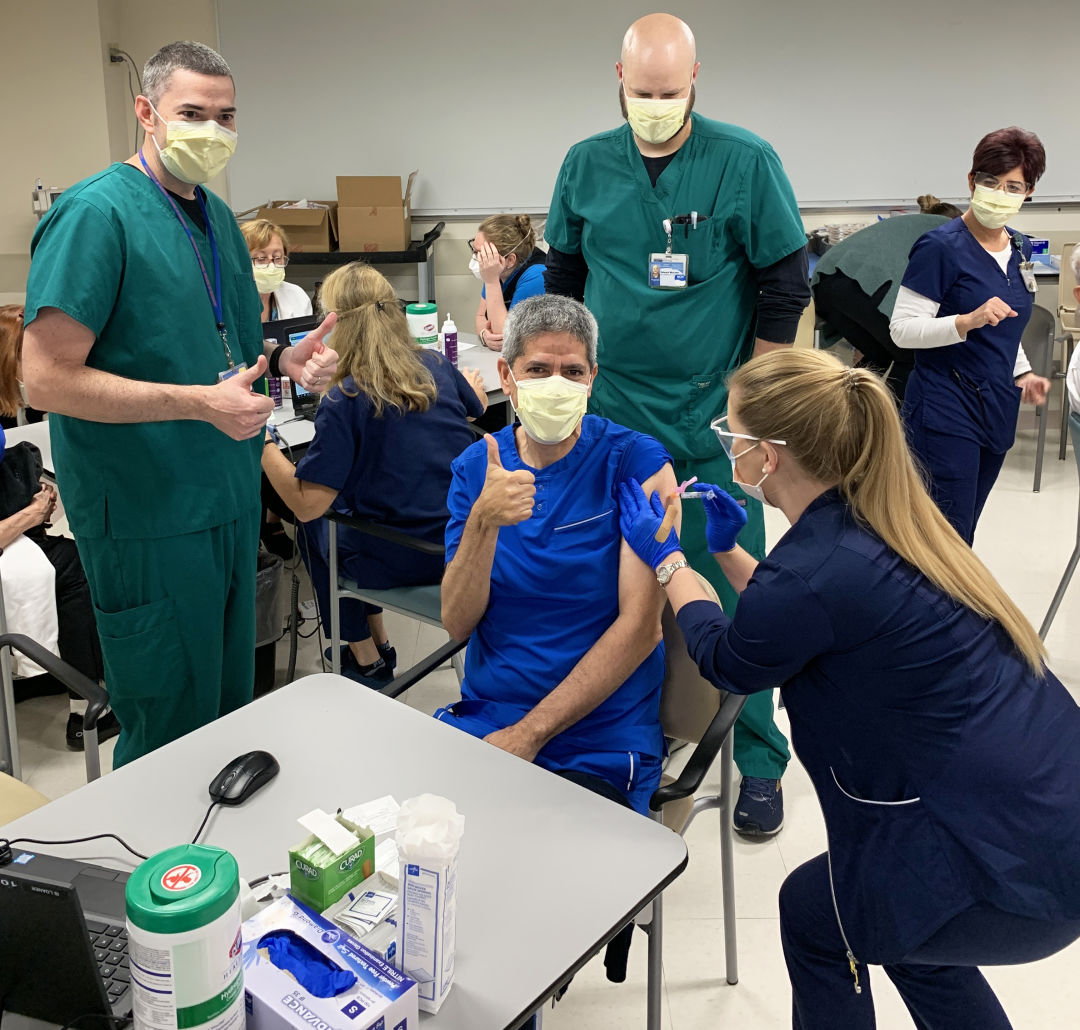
x=915, y=325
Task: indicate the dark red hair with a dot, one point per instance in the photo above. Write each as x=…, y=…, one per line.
x=1004, y=149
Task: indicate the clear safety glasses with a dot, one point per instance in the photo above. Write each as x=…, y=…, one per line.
x=729, y=439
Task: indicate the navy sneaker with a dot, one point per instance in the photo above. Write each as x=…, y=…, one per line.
x=759, y=810
x=107, y=728
x=386, y=652
x=376, y=676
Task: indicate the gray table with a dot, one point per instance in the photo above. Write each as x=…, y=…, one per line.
x=548, y=871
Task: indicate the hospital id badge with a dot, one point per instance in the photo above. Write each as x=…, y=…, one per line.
x=230, y=372
x=1027, y=273
x=668, y=271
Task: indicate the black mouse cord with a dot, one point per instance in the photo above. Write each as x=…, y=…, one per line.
x=6, y=844
x=202, y=825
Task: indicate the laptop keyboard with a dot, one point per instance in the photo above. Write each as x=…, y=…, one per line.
x=110, y=944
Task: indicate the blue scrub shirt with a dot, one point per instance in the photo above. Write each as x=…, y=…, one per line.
x=554, y=587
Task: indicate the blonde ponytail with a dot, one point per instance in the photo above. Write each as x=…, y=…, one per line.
x=373, y=341
x=841, y=426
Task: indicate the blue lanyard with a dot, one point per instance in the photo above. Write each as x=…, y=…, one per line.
x=213, y=293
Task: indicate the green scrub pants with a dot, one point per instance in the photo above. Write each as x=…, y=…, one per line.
x=760, y=748
x=176, y=618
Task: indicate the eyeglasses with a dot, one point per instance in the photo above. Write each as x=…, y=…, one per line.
x=278, y=262
x=992, y=182
x=727, y=438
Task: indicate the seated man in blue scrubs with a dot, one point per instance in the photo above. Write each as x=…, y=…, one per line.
x=565, y=662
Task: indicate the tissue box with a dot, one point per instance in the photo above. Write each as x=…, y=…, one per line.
x=372, y=215
x=381, y=999
x=321, y=885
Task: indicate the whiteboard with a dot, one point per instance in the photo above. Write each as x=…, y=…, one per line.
x=866, y=102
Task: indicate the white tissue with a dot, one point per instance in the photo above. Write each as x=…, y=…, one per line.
x=428, y=826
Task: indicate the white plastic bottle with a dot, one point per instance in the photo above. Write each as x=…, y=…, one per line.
x=449, y=335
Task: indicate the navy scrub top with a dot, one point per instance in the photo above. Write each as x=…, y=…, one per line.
x=967, y=389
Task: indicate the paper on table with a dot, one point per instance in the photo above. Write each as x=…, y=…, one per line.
x=380, y=816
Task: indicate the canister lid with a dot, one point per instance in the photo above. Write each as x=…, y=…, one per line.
x=182, y=888
x=420, y=309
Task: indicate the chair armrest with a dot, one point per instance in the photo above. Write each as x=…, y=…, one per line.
x=96, y=697
x=432, y=234
x=704, y=754
x=410, y=677
x=395, y=536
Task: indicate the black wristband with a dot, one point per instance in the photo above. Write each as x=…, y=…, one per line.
x=274, y=368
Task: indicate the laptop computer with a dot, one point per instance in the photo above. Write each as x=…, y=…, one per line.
x=64, y=946
x=292, y=331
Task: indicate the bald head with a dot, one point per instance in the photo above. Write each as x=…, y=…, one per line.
x=659, y=37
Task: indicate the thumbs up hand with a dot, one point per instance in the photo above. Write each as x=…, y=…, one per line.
x=312, y=363
x=234, y=409
x=507, y=497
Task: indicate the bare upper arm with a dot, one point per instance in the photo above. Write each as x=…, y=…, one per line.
x=638, y=590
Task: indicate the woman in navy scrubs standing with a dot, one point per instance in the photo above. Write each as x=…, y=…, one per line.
x=965, y=299
x=944, y=754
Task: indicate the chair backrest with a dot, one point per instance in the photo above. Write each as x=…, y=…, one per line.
x=1067, y=307
x=689, y=701
x=16, y=798
x=1038, y=341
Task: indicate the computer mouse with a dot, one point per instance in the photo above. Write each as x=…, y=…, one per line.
x=242, y=777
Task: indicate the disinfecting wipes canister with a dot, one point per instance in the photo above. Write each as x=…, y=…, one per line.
x=183, y=919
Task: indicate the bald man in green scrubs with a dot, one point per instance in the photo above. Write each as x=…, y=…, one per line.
x=143, y=337
x=683, y=237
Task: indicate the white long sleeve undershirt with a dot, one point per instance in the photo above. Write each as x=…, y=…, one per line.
x=915, y=326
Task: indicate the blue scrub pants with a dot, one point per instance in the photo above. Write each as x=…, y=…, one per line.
x=759, y=746
x=939, y=980
x=961, y=475
x=313, y=539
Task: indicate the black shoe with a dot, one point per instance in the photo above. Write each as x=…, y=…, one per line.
x=386, y=653
x=377, y=675
x=107, y=728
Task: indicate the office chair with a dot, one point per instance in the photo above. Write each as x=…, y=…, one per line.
x=423, y=603
x=93, y=693
x=692, y=709
x=1038, y=343
x=1070, y=568
x=1070, y=331
x=17, y=799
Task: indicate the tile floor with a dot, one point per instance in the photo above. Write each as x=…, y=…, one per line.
x=1024, y=537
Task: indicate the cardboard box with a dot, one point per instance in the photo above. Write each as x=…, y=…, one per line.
x=372, y=214
x=381, y=997
x=320, y=885
x=312, y=228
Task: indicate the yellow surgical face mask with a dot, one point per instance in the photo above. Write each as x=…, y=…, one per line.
x=195, y=151
x=993, y=208
x=655, y=121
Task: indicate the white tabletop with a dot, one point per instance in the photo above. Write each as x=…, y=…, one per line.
x=548, y=871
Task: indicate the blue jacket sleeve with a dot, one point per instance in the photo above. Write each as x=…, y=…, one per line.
x=779, y=627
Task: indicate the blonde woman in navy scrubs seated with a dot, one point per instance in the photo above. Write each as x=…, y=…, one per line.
x=962, y=307
x=945, y=755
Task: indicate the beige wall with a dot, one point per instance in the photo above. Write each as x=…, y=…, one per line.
x=73, y=114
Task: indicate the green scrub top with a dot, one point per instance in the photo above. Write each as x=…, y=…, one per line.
x=664, y=354
x=112, y=255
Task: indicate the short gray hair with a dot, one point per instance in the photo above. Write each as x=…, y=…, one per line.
x=184, y=55
x=1074, y=260
x=548, y=313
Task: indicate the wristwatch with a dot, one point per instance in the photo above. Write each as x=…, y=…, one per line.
x=665, y=572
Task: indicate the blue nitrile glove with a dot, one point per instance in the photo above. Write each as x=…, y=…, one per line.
x=724, y=518
x=312, y=970
x=639, y=519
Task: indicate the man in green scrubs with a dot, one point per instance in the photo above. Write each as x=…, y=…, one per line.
x=678, y=312
x=140, y=297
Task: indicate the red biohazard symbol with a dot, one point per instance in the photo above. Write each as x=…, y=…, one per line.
x=181, y=877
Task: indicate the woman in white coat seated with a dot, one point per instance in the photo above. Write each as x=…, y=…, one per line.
x=269, y=249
